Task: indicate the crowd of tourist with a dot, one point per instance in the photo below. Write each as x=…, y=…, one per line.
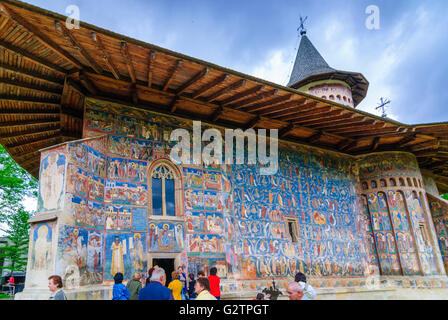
x=181, y=287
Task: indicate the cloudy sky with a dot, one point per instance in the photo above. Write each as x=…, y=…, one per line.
x=404, y=61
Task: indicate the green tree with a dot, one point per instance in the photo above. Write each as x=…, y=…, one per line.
x=15, y=185
x=17, y=230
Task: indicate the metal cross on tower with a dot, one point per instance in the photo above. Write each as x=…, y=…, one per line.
x=382, y=106
x=301, y=27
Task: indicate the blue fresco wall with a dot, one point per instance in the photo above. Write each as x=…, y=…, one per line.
x=228, y=216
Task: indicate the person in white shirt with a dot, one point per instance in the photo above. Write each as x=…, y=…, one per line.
x=308, y=290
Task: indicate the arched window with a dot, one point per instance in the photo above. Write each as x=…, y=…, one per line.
x=409, y=182
x=344, y=98
x=365, y=186
x=383, y=183
x=338, y=97
x=415, y=183
x=393, y=183
x=332, y=97
x=324, y=97
x=402, y=184
x=165, y=189
x=373, y=184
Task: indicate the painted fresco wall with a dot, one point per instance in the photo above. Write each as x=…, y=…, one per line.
x=392, y=187
x=439, y=210
x=231, y=217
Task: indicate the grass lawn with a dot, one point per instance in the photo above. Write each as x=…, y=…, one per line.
x=4, y=296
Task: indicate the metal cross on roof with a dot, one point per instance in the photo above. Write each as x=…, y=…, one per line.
x=301, y=27
x=382, y=106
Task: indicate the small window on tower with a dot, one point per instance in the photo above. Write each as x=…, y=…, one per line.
x=293, y=229
x=424, y=233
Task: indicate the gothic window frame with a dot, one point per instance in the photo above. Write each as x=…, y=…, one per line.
x=178, y=191
x=294, y=233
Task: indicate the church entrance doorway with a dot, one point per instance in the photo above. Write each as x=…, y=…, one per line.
x=167, y=265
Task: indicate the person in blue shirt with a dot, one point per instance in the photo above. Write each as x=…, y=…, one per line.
x=156, y=289
x=120, y=292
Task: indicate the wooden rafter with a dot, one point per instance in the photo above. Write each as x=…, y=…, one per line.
x=172, y=75
x=291, y=106
x=373, y=133
x=128, y=60
x=32, y=132
x=209, y=85
x=375, y=143
x=105, y=55
x=5, y=97
x=355, y=129
x=34, y=140
x=327, y=119
x=318, y=115
x=60, y=27
x=406, y=139
x=29, y=86
x=286, y=130
x=198, y=76
x=262, y=95
x=31, y=57
x=219, y=93
x=22, y=124
x=347, y=120
x=315, y=137
x=242, y=95
x=301, y=113
x=30, y=74
x=252, y=123
x=84, y=79
x=151, y=59
x=217, y=114
x=11, y=14
x=173, y=105
x=267, y=104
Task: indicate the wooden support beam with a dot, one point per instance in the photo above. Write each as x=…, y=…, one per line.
x=105, y=55
x=5, y=97
x=291, y=106
x=127, y=58
x=60, y=27
x=85, y=81
x=375, y=143
x=432, y=144
x=172, y=75
x=198, y=76
x=299, y=114
x=31, y=57
x=242, y=95
x=315, y=137
x=233, y=86
x=406, y=140
x=322, y=115
x=252, y=123
x=151, y=59
x=265, y=105
x=67, y=111
x=355, y=129
x=12, y=146
x=30, y=132
x=348, y=120
x=218, y=112
x=173, y=105
x=210, y=85
x=134, y=93
x=372, y=133
x=328, y=120
x=41, y=113
x=11, y=14
x=30, y=86
x=33, y=75
x=286, y=130
x=260, y=96
x=45, y=143
x=22, y=124
x=344, y=144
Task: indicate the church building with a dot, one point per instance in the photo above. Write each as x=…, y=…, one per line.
x=355, y=203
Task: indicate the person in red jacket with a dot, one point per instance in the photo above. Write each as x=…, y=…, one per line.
x=214, y=283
